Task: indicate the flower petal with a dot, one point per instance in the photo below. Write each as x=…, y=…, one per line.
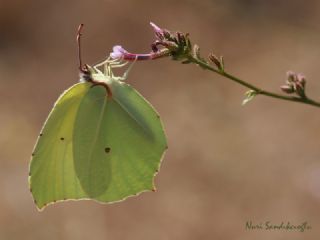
x=118, y=52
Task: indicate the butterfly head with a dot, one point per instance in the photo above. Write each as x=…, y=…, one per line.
x=85, y=73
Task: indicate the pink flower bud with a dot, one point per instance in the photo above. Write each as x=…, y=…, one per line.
x=291, y=76
x=301, y=79
x=287, y=89
x=156, y=28
x=299, y=89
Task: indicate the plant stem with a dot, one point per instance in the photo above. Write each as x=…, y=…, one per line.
x=205, y=65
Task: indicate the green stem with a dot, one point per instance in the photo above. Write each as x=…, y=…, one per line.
x=259, y=91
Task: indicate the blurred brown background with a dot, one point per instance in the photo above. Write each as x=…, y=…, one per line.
x=226, y=164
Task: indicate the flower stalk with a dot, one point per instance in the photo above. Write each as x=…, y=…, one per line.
x=257, y=90
x=178, y=46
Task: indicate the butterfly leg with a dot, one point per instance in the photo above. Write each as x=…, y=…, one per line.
x=114, y=64
x=102, y=64
x=126, y=73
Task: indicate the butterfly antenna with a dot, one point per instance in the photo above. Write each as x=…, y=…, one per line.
x=79, y=33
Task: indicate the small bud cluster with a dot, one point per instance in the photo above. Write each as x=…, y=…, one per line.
x=180, y=48
x=178, y=43
x=295, y=83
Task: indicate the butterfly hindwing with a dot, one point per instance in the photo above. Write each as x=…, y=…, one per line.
x=118, y=143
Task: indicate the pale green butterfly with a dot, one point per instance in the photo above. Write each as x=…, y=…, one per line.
x=102, y=141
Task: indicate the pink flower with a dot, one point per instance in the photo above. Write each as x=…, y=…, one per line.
x=118, y=52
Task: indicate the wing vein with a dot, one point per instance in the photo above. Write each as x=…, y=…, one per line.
x=132, y=116
x=96, y=133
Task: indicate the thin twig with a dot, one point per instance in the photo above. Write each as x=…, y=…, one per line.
x=258, y=90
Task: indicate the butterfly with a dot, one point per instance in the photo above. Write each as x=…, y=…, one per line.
x=102, y=141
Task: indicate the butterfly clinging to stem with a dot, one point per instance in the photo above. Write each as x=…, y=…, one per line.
x=102, y=140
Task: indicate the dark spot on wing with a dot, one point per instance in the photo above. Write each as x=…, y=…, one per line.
x=41, y=134
x=107, y=149
x=32, y=154
x=62, y=138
